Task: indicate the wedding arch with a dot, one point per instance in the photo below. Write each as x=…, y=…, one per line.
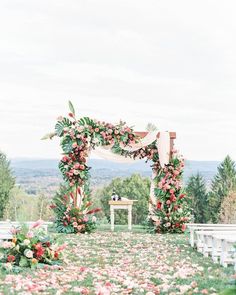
x=168, y=210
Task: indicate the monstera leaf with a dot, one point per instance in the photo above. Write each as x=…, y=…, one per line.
x=86, y=121
x=66, y=145
x=59, y=128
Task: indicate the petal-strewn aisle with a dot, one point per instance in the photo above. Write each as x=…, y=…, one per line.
x=123, y=263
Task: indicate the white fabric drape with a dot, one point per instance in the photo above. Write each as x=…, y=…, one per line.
x=107, y=154
x=143, y=142
x=163, y=145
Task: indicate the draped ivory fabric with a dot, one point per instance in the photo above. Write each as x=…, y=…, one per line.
x=143, y=142
x=152, y=198
x=163, y=145
x=104, y=152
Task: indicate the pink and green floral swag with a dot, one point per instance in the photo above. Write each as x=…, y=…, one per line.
x=168, y=213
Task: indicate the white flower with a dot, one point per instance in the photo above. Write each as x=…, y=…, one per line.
x=28, y=253
x=94, y=219
x=17, y=248
x=8, y=266
x=76, y=172
x=96, y=141
x=26, y=242
x=80, y=128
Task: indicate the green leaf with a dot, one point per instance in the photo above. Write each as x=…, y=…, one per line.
x=23, y=262
x=86, y=121
x=59, y=128
x=71, y=107
x=66, y=145
x=60, y=125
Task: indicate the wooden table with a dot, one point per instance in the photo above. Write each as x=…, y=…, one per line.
x=127, y=205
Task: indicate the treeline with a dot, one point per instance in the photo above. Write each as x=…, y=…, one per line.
x=15, y=203
x=209, y=205
x=134, y=187
x=217, y=204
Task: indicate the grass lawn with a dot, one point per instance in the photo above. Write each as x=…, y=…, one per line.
x=123, y=263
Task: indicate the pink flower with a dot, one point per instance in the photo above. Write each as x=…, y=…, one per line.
x=183, y=228
x=29, y=234
x=61, y=248
x=172, y=191
x=166, y=186
x=168, y=202
x=14, y=230
x=85, y=219
x=65, y=159
x=81, y=167
x=11, y=258
x=37, y=224
x=7, y=244
x=176, y=172
x=74, y=145
x=60, y=118
x=76, y=166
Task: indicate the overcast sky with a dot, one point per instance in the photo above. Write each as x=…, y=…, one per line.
x=172, y=63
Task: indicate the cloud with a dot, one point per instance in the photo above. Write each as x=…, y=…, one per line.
x=171, y=63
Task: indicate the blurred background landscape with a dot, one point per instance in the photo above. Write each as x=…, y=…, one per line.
x=43, y=176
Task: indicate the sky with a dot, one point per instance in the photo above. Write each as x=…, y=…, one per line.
x=171, y=63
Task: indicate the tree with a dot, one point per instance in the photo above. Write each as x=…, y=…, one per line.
x=21, y=206
x=7, y=182
x=43, y=209
x=228, y=208
x=223, y=182
x=196, y=190
x=133, y=187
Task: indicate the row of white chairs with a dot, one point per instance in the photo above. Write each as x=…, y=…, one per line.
x=216, y=240
x=7, y=226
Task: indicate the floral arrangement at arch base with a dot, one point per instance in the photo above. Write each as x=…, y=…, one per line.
x=29, y=247
x=72, y=217
x=168, y=213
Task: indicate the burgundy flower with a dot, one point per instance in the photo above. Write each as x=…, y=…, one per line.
x=11, y=258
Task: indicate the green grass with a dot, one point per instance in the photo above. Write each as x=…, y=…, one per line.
x=127, y=263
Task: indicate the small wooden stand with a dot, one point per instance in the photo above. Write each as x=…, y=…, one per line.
x=127, y=204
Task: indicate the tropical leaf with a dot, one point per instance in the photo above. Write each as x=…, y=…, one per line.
x=86, y=121
x=66, y=145
x=59, y=128
x=71, y=107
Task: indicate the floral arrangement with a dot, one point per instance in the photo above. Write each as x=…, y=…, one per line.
x=171, y=212
x=79, y=136
x=29, y=247
x=73, y=219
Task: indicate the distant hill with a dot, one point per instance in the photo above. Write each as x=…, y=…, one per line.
x=37, y=175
